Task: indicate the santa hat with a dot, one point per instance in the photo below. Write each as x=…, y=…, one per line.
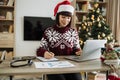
x=63, y=6
x=113, y=76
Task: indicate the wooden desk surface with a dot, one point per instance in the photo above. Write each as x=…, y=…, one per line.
x=87, y=66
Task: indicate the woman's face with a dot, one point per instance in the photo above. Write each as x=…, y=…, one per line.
x=64, y=20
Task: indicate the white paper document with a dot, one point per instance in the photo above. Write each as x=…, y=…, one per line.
x=44, y=59
x=55, y=64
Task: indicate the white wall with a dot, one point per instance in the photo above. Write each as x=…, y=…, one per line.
x=42, y=8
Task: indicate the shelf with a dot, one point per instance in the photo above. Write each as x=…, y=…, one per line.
x=6, y=40
x=84, y=6
x=100, y=3
x=82, y=0
x=81, y=12
x=6, y=22
x=78, y=23
x=6, y=36
x=6, y=44
x=8, y=8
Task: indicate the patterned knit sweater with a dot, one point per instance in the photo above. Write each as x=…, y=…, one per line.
x=60, y=41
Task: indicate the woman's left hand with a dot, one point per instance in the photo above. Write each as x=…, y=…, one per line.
x=78, y=52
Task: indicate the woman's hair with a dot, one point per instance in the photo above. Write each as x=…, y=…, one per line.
x=65, y=14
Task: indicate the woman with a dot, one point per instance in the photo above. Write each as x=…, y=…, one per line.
x=61, y=39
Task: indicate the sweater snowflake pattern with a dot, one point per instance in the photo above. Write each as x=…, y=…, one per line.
x=60, y=41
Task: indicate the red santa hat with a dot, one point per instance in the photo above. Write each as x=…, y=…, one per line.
x=113, y=77
x=63, y=6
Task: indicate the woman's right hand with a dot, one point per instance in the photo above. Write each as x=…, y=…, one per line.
x=48, y=55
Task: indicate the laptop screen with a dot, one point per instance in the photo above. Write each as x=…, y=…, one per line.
x=91, y=50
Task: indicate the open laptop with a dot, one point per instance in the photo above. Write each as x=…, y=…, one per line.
x=91, y=50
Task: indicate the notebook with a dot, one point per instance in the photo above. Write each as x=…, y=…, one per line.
x=91, y=50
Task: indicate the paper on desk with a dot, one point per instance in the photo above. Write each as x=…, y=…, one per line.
x=43, y=59
x=55, y=64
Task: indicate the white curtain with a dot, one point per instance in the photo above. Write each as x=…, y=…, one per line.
x=113, y=17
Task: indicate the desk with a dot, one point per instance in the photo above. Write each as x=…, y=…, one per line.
x=87, y=66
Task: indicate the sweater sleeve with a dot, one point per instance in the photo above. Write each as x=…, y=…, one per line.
x=40, y=51
x=42, y=48
x=76, y=46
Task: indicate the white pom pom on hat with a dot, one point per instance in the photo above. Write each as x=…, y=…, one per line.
x=63, y=6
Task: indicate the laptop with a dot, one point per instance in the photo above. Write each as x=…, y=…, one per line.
x=91, y=50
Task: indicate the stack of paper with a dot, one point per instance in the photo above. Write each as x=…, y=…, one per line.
x=55, y=64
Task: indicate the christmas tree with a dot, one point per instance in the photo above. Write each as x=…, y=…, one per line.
x=94, y=26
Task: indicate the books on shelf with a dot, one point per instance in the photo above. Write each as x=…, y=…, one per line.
x=1, y=3
x=10, y=29
x=84, y=18
x=10, y=3
x=84, y=7
x=4, y=29
x=99, y=0
x=2, y=56
x=9, y=15
x=103, y=11
x=77, y=7
x=2, y=17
